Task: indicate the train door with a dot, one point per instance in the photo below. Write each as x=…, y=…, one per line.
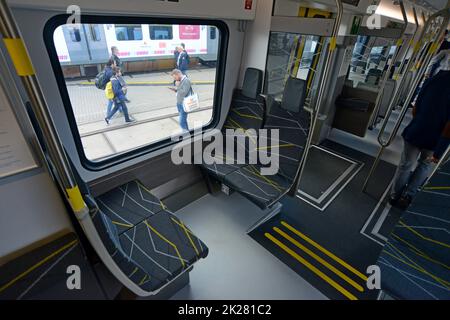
x=87, y=45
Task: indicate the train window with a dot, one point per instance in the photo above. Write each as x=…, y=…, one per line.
x=115, y=116
x=95, y=32
x=161, y=32
x=75, y=35
x=212, y=33
x=292, y=55
x=128, y=32
x=369, y=60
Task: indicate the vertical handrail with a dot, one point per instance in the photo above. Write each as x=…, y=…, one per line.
x=408, y=49
x=430, y=52
x=320, y=95
x=374, y=116
x=58, y=157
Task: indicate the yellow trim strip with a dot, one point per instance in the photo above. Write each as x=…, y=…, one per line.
x=325, y=251
x=186, y=231
x=75, y=199
x=319, y=273
x=332, y=43
x=37, y=265
x=19, y=56
x=166, y=240
x=320, y=260
x=423, y=237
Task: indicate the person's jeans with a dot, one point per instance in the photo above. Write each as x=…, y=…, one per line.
x=183, y=117
x=405, y=182
x=109, y=108
x=119, y=105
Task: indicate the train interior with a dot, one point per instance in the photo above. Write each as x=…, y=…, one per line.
x=335, y=78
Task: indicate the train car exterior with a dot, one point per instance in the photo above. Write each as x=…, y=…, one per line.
x=83, y=49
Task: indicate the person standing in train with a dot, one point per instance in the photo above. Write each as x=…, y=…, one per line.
x=426, y=139
x=119, y=64
x=182, y=89
x=119, y=97
x=182, y=59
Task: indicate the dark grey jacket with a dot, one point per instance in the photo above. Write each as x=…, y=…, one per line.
x=183, y=89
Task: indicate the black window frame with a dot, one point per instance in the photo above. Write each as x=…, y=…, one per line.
x=151, y=32
x=126, y=156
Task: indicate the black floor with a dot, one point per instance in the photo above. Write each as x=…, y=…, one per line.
x=336, y=256
x=328, y=173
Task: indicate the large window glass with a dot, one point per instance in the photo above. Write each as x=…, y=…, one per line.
x=369, y=61
x=121, y=108
x=290, y=55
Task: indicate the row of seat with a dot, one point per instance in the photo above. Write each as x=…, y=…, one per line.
x=250, y=110
x=148, y=243
x=415, y=261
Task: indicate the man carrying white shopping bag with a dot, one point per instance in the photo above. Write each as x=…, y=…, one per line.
x=187, y=100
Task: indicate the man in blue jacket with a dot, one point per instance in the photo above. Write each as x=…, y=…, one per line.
x=426, y=139
x=182, y=59
x=119, y=97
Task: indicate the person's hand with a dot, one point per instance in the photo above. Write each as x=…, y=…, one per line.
x=173, y=89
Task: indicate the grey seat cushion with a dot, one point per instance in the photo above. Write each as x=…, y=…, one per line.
x=148, y=243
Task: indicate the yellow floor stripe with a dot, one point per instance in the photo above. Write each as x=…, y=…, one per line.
x=311, y=267
x=166, y=240
x=325, y=251
x=320, y=260
x=37, y=265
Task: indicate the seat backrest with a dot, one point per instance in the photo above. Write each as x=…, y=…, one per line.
x=386, y=97
x=293, y=122
x=247, y=108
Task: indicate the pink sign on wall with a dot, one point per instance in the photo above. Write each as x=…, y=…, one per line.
x=189, y=32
